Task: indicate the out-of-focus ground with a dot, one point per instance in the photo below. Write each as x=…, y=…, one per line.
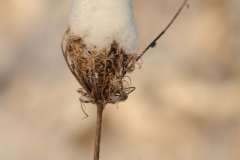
x=187, y=100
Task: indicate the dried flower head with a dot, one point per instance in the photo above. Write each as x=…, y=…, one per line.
x=100, y=72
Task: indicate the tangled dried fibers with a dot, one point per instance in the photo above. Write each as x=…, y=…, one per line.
x=100, y=72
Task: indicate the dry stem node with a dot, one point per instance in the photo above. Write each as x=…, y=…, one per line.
x=101, y=73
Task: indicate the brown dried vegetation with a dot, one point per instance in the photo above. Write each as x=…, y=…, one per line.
x=101, y=73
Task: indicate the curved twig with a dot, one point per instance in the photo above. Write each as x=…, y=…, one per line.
x=153, y=43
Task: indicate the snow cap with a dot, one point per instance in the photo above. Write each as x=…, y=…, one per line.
x=99, y=22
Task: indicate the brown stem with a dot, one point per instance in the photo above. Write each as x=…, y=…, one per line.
x=153, y=43
x=100, y=108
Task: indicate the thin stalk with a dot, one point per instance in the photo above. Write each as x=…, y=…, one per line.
x=153, y=43
x=100, y=108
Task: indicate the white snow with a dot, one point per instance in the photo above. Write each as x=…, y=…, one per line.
x=99, y=22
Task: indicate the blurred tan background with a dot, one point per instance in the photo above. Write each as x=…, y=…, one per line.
x=187, y=100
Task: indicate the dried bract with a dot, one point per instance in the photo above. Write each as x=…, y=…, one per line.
x=101, y=73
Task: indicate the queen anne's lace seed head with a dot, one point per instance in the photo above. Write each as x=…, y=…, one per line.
x=99, y=48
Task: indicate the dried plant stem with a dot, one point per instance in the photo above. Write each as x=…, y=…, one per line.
x=100, y=108
x=153, y=43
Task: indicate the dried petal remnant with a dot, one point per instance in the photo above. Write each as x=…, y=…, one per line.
x=101, y=73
